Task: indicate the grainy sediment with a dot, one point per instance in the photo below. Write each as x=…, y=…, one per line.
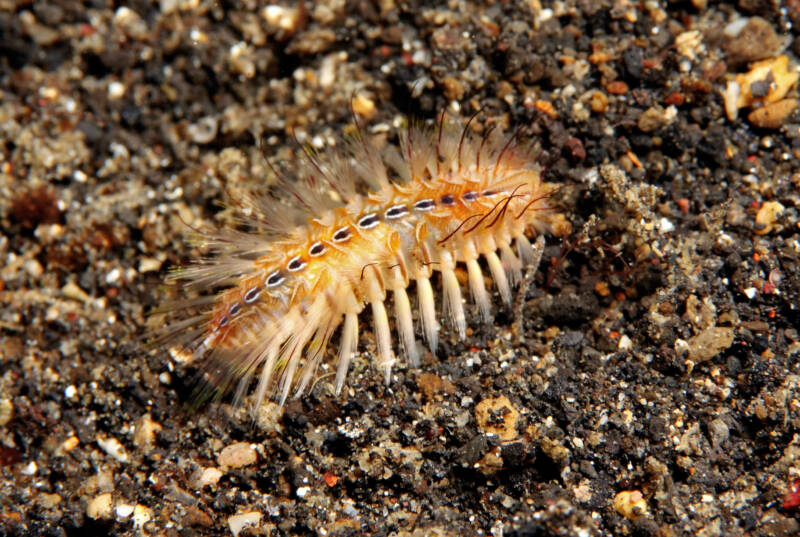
x=652, y=389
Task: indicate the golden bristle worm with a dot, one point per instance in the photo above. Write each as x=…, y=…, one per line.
x=444, y=198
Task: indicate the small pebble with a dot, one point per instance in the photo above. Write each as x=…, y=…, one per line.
x=630, y=504
x=710, y=342
x=113, y=448
x=767, y=217
x=775, y=72
x=72, y=291
x=665, y=225
x=241, y=59
x=237, y=455
x=123, y=511
x=6, y=411
x=364, y=106
x=546, y=107
x=116, y=90
x=625, y=343
x=49, y=501
x=453, y=89
x=617, y=87
x=656, y=117
x=100, y=507
x=239, y=522
x=207, y=477
x=67, y=445
x=689, y=44
x=751, y=40
x=204, y=131
x=141, y=515
x=772, y=116
x=598, y=102
x=30, y=469
x=130, y=22
x=719, y=431
x=431, y=384
x=33, y=268
x=280, y=17
x=496, y=415
x=145, y=432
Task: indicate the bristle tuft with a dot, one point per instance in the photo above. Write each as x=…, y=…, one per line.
x=427, y=310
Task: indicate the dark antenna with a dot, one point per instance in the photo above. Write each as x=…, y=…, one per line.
x=483, y=142
x=544, y=196
x=439, y=143
x=444, y=240
x=464, y=134
x=505, y=148
x=505, y=201
x=408, y=147
x=502, y=211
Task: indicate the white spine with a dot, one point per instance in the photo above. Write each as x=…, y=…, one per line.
x=347, y=348
x=525, y=250
x=383, y=336
x=427, y=309
x=499, y=275
x=405, y=325
x=478, y=289
x=453, y=305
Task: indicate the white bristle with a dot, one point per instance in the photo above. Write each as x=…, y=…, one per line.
x=511, y=263
x=380, y=320
x=405, y=325
x=347, y=347
x=383, y=338
x=499, y=276
x=453, y=305
x=525, y=250
x=427, y=311
x=478, y=289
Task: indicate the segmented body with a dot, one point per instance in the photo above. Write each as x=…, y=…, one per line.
x=450, y=199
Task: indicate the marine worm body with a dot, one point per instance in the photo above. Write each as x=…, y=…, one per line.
x=445, y=198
